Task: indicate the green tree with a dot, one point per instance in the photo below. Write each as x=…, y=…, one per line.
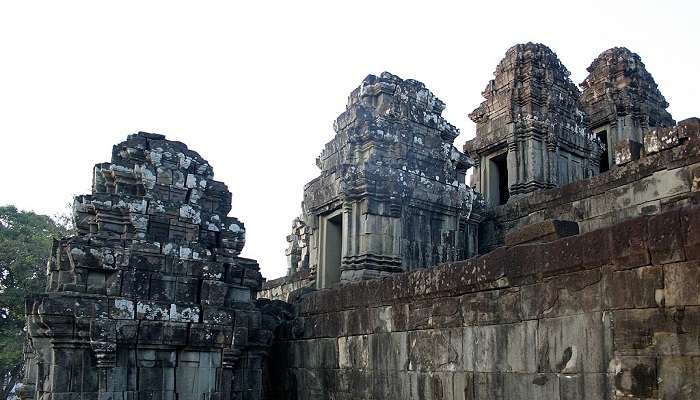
x=25, y=244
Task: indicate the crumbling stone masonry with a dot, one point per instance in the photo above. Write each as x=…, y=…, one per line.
x=530, y=132
x=623, y=105
x=299, y=274
x=149, y=300
x=288, y=287
x=391, y=196
x=298, y=251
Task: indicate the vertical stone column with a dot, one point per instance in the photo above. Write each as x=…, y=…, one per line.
x=552, y=163
x=516, y=168
x=476, y=176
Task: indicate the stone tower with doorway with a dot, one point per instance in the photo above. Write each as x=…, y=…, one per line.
x=391, y=196
x=623, y=105
x=530, y=132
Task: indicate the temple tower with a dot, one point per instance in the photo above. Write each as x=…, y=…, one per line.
x=391, y=196
x=623, y=104
x=530, y=132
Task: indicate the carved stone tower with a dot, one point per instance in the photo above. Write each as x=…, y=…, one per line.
x=391, y=196
x=149, y=300
x=530, y=133
x=623, y=104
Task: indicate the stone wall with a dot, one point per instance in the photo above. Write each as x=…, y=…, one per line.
x=613, y=313
x=282, y=288
x=657, y=182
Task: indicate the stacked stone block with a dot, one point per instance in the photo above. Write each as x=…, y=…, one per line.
x=150, y=299
x=609, y=314
x=287, y=287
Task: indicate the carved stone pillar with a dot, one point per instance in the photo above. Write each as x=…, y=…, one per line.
x=516, y=169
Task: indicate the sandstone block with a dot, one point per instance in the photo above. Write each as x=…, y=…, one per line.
x=679, y=377
x=545, y=231
x=574, y=344
x=505, y=348
x=682, y=283
x=657, y=331
x=635, y=288
x=665, y=241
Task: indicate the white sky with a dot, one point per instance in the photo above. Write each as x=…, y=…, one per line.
x=255, y=86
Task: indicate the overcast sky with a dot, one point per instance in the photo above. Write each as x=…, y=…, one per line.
x=255, y=86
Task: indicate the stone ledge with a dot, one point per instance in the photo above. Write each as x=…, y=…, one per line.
x=541, y=232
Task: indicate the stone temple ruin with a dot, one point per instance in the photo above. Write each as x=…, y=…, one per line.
x=392, y=195
x=569, y=271
x=530, y=131
x=623, y=105
x=150, y=298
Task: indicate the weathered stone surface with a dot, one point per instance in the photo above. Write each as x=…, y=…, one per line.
x=655, y=183
x=545, y=231
x=574, y=344
x=639, y=287
x=392, y=186
x=288, y=286
x=558, y=321
x=593, y=296
x=624, y=106
x=679, y=378
x=657, y=331
x=635, y=377
x=150, y=298
x=665, y=239
x=530, y=133
x=682, y=284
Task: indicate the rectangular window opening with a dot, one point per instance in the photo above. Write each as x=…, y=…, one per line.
x=499, y=179
x=604, y=160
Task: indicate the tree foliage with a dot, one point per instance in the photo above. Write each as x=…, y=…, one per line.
x=25, y=244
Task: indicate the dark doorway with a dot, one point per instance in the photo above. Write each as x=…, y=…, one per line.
x=604, y=160
x=499, y=179
x=332, y=251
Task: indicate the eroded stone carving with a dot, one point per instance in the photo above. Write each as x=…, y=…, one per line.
x=150, y=298
x=298, y=251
